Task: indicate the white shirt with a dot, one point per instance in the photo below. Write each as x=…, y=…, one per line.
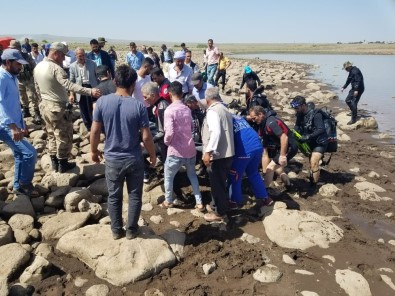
x=137, y=94
x=184, y=77
x=214, y=128
x=38, y=58
x=195, y=69
x=68, y=60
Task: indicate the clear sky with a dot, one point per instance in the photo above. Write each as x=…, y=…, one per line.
x=225, y=21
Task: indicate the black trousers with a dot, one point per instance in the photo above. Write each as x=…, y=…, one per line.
x=86, y=108
x=220, y=74
x=352, y=102
x=218, y=174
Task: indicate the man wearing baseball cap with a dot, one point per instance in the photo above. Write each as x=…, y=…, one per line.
x=52, y=82
x=12, y=126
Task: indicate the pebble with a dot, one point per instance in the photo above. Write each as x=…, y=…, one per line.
x=175, y=223
x=250, y=238
x=156, y=219
x=304, y=272
x=392, y=242
x=209, y=268
x=308, y=293
x=174, y=211
x=355, y=170
x=147, y=207
x=386, y=279
x=79, y=282
x=330, y=258
x=386, y=269
x=287, y=259
x=389, y=215
x=381, y=241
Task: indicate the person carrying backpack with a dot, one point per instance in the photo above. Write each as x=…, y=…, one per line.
x=310, y=124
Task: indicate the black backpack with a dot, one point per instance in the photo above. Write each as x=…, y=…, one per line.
x=330, y=126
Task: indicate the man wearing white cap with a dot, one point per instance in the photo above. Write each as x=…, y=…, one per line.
x=181, y=73
x=12, y=126
x=52, y=83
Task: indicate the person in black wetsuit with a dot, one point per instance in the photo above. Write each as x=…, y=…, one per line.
x=310, y=124
x=355, y=78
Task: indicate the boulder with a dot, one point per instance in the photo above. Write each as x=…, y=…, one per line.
x=74, y=197
x=299, y=229
x=63, y=223
x=57, y=179
x=3, y=193
x=6, y=156
x=12, y=258
x=119, y=262
x=46, y=163
x=43, y=250
x=97, y=290
x=91, y=171
x=6, y=235
x=37, y=271
x=56, y=198
x=20, y=205
x=21, y=222
x=328, y=190
x=99, y=187
x=21, y=237
x=176, y=240
x=353, y=283
x=268, y=274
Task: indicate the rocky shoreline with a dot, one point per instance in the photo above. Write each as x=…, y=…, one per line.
x=339, y=242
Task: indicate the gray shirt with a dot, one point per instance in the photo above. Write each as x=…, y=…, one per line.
x=122, y=117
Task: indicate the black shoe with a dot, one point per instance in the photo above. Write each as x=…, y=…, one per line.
x=55, y=163
x=118, y=234
x=132, y=234
x=65, y=165
x=351, y=122
x=313, y=189
x=37, y=118
x=26, y=113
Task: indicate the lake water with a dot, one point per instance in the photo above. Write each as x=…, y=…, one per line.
x=379, y=77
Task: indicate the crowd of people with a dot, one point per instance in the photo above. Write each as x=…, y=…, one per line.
x=192, y=125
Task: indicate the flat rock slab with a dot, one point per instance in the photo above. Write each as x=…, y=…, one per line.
x=20, y=205
x=353, y=283
x=119, y=262
x=63, y=223
x=12, y=258
x=300, y=229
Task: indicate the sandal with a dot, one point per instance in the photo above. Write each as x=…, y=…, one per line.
x=28, y=190
x=166, y=205
x=200, y=207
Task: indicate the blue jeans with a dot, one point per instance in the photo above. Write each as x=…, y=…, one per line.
x=117, y=172
x=172, y=165
x=248, y=164
x=25, y=156
x=211, y=69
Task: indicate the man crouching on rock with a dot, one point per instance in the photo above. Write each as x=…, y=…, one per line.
x=124, y=119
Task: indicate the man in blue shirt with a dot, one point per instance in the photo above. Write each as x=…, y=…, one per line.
x=125, y=120
x=134, y=58
x=12, y=126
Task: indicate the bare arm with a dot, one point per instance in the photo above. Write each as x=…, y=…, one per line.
x=148, y=144
x=95, y=139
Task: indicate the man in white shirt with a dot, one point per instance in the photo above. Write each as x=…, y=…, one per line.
x=189, y=62
x=143, y=77
x=181, y=73
x=35, y=54
x=212, y=54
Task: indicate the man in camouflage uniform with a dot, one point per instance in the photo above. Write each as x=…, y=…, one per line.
x=52, y=83
x=27, y=91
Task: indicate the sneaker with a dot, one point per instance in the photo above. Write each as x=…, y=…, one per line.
x=234, y=205
x=214, y=217
x=146, y=177
x=267, y=202
x=132, y=234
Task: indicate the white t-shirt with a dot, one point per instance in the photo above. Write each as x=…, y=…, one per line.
x=137, y=94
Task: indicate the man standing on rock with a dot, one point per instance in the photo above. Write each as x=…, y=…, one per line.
x=52, y=83
x=212, y=54
x=125, y=120
x=12, y=127
x=355, y=77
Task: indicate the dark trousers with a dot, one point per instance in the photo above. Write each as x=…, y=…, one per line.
x=117, y=172
x=221, y=74
x=218, y=173
x=352, y=102
x=86, y=109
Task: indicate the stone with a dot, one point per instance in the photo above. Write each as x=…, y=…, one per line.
x=38, y=204
x=3, y=193
x=288, y=260
x=20, y=205
x=98, y=290
x=43, y=250
x=46, y=163
x=381, y=241
x=372, y=196
x=328, y=190
x=83, y=205
x=21, y=290
x=99, y=187
x=6, y=156
x=174, y=211
x=63, y=223
x=153, y=292
x=386, y=154
x=35, y=234
x=57, y=179
x=56, y=198
x=308, y=293
x=373, y=175
x=156, y=219
x=175, y=223
x=250, y=238
x=91, y=172
x=330, y=258
x=267, y=274
x=74, y=197
x=353, y=283
x=389, y=215
x=37, y=271
x=386, y=279
x=21, y=237
x=209, y=268
x=6, y=235
x=392, y=242
x=386, y=269
x=119, y=262
x=3, y=287
x=147, y=207
x=95, y=210
x=368, y=187
x=79, y=282
x=300, y=229
x=313, y=86
x=12, y=258
x=21, y=222
x=176, y=241
x=304, y=272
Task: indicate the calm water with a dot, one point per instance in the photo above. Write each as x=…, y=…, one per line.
x=379, y=77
